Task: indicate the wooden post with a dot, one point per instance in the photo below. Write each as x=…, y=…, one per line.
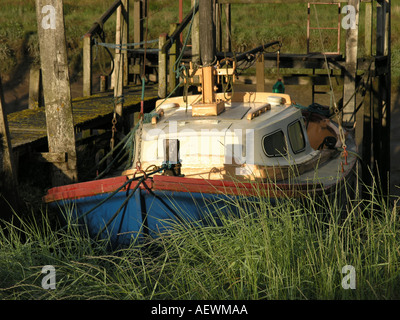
x=386, y=117
x=382, y=102
x=145, y=4
x=103, y=83
x=195, y=38
x=10, y=182
x=172, y=57
x=218, y=32
x=368, y=29
x=260, y=73
x=349, y=88
x=363, y=116
x=377, y=97
x=119, y=66
x=228, y=28
x=377, y=102
x=367, y=142
x=138, y=21
x=139, y=14
x=87, y=65
x=34, y=87
x=180, y=18
x=208, y=104
x=56, y=88
x=376, y=125
x=125, y=40
x=207, y=30
x=162, y=67
x=380, y=28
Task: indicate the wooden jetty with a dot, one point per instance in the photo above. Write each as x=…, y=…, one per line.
x=28, y=129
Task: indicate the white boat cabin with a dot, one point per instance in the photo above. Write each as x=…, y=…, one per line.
x=257, y=136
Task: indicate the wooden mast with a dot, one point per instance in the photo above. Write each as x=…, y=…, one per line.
x=208, y=106
x=207, y=27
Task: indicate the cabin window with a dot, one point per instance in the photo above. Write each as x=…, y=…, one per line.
x=274, y=144
x=296, y=137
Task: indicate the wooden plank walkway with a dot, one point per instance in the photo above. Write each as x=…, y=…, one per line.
x=28, y=127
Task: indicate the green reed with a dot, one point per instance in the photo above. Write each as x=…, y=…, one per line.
x=289, y=249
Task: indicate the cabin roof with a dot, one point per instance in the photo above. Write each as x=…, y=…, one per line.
x=234, y=112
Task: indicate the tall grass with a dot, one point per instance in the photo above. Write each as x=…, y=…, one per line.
x=290, y=250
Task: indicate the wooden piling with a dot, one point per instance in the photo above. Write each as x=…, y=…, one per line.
x=172, y=58
x=387, y=114
x=138, y=21
x=349, y=96
x=125, y=39
x=368, y=28
x=218, y=26
x=228, y=28
x=195, y=38
x=118, y=65
x=260, y=73
x=87, y=65
x=363, y=118
x=103, y=83
x=381, y=102
x=139, y=15
x=34, y=87
x=162, y=67
x=9, y=188
x=366, y=149
x=56, y=88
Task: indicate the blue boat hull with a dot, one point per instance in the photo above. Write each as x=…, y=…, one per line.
x=124, y=211
x=146, y=213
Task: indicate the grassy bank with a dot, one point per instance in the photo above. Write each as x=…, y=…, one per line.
x=291, y=250
x=285, y=22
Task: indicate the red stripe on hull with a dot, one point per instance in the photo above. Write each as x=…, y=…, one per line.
x=178, y=184
x=84, y=189
x=181, y=184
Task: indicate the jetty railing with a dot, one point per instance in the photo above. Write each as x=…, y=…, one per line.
x=168, y=50
x=94, y=30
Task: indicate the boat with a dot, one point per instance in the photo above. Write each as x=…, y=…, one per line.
x=198, y=153
x=201, y=157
